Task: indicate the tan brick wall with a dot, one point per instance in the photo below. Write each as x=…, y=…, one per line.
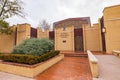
x=112, y=35
x=92, y=37
x=61, y=36
x=112, y=25
x=42, y=34
x=7, y=42
x=23, y=32
x=112, y=12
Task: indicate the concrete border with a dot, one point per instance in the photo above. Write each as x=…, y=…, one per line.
x=29, y=70
x=93, y=61
x=116, y=52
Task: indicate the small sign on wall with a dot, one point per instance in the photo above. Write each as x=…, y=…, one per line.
x=64, y=41
x=64, y=35
x=22, y=31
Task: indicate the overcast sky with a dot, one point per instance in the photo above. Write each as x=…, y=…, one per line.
x=55, y=10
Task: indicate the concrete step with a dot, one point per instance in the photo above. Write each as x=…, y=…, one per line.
x=76, y=55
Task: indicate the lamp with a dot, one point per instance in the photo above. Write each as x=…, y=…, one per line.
x=103, y=29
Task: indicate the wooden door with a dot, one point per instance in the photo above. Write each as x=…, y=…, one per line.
x=78, y=43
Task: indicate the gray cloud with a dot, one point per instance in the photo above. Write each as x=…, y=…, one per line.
x=55, y=10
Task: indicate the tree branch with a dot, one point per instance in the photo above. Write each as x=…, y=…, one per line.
x=3, y=7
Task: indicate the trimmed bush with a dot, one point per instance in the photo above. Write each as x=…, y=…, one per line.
x=34, y=46
x=28, y=59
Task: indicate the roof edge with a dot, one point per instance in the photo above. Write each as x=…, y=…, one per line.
x=77, y=18
x=111, y=7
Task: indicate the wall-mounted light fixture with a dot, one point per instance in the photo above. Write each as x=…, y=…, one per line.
x=103, y=29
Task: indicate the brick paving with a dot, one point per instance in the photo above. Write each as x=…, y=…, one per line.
x=70, y=68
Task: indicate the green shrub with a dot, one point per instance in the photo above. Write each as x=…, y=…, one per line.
x=34, y=46
x=28, y=59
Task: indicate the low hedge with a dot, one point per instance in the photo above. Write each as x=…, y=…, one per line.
x=27, y=59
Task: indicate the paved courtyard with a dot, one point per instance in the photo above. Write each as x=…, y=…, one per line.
x=70, y=68
x=75, y=68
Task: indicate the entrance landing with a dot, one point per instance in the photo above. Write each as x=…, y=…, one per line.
x=70, y=68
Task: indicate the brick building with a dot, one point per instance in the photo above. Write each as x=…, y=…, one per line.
x=73, y=34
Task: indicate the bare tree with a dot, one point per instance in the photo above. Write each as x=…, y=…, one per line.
x=9, y=8
x=44, y=25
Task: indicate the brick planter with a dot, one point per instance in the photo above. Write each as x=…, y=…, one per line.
x=29, y=70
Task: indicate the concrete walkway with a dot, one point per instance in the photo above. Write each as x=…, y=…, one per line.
x=8, y=76
x=109, y=67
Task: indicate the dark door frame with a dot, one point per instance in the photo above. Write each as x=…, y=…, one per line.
x=78, y=32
